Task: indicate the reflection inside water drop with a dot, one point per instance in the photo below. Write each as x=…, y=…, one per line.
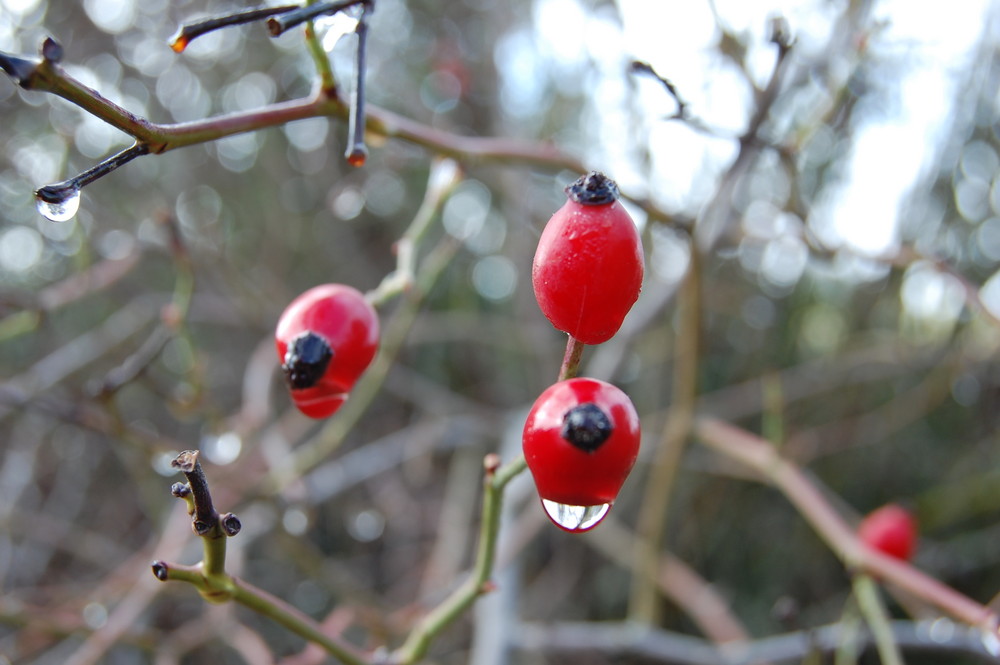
x=57, y=204
x=575, y=518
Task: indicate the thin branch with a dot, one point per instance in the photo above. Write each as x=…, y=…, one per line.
x=444, y=175
x=212, y=581
x=357, y=152
x=571, y=359
x=478, y=583
x=644, y=599
x=874, y=612
x=60, y=192
x=205, y=519
x=640, y=67
x=760, y=456
x=191, y=31
x=697, y=597
x=626, y=642
x=280, y=24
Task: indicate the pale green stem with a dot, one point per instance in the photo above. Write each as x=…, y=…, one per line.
x=478, y=583
x=327, y=83
x=877, y=617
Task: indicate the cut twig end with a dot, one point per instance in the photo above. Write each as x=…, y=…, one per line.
x=160, y=571
x=187, y=461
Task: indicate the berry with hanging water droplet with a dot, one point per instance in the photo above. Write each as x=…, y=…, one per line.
x=325, y=339
x=580, y=441
x=588, y=267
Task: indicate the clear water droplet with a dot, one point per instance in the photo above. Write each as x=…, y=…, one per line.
x=330, y=29
x=57, y=205
x=575, y=518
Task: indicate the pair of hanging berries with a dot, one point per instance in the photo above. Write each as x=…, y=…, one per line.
x=325, y=339
x=581, y=437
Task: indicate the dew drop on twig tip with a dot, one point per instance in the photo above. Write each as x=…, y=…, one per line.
x=58, y=209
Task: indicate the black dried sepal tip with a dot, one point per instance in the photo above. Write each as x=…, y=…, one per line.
x=306, y=360
x=593, y=189
x=587, y=427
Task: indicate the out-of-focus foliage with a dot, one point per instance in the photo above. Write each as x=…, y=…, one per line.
x=875, y=374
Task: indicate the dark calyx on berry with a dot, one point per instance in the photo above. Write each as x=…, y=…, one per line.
x=586, y=426
x=306, y=360
x=593, y=189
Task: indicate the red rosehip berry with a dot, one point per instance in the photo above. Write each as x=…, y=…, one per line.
x=580, y=440
x=588, y=267
x=325, y=338
x=891, y=530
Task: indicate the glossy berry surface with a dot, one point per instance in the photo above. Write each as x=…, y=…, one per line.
x=588, y=266
x=325, y=339
x=581, y=439
x=890, y=530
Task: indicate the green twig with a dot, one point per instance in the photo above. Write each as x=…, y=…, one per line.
x=294, y=620
x=212, y=581
x=478, y=583
x=205, y=519
x=878, y=619
x=226, y=588
x=327, y=83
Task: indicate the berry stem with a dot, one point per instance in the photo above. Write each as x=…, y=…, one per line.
x=477, y=584
x=571, y=359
